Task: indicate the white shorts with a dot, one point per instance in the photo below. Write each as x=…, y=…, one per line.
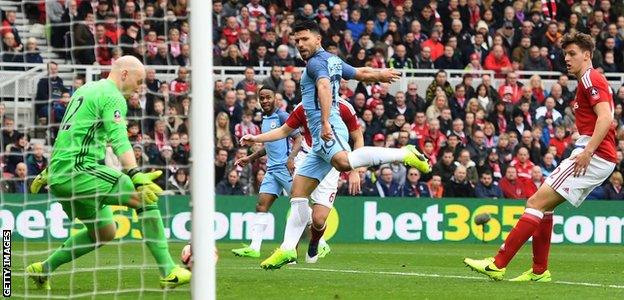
x=325, y=192
x=576, y=189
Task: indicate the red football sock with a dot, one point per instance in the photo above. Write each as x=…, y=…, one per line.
x=316, y=234
x=523, y=230
x=541, y=244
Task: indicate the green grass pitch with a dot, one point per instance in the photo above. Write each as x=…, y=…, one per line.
x=350, y=271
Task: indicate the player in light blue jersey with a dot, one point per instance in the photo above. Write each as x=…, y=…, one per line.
x=320, y=86
x=280, y=165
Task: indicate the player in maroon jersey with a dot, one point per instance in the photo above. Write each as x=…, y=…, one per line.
x=588, y=166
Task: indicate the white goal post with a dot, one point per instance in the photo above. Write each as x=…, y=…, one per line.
x=202, y=173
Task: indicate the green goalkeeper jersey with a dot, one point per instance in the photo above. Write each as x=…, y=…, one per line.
x=94, y=117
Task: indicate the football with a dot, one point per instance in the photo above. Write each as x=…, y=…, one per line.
x=186, y=256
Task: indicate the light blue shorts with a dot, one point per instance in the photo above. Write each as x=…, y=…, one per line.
x=318, y=162
x=275, y=181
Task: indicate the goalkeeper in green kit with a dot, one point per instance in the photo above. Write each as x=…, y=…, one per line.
x=94, y=118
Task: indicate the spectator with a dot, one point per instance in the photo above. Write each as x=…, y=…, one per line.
x=36, y=162
x=424, y=59
x=8, y=26
x=458, y=102
x=448, y=60
x=414, y=100
x=434, y=45
x=32, y=54
x=9, y=134
x=413, y=187
x=445, y=166
x=548, y=165
x=522, y=163
x=19, y=183
x=355, y=24
x=230, y=107
x=161, y=57
x=83, y=40
x=11, y=51
x=440, y=80
x=511, y=87
x=261, y=57
x=400, y=60
x=231, y=185
x=512, y=186
x=497, y=61
x=274, y=81
x=534, y=61
x=282, y=58
x=179, y=183
x=486, y=188
x=381, y=23
x=233, y=57
x=463, y=159
x=386, y=186
x=129, y=40
x=613, y=189
x=221, y=159
x=458, y=185
x=436, y=188
x=477, y=147
x=180, y=84
x=537, y=179
x=16, y=153
x=245, y=173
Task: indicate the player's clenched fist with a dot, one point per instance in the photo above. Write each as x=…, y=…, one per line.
x=145, y=186
x=247, y=140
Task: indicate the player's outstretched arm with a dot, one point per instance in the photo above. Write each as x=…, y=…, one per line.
x=273, y=135
x=368, y=74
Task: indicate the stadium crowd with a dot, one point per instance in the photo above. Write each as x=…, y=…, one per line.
x=483, y=140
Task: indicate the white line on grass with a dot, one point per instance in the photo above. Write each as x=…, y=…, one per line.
x=432, y=275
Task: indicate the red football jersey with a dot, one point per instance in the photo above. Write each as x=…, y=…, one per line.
x=297, y=119
x=592, y=89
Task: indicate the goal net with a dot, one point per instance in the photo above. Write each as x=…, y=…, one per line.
x=51, y=49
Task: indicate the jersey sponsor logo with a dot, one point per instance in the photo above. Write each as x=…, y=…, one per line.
x=593, y=92
x=117, y=116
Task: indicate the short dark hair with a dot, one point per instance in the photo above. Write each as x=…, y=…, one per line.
x=486, y=172
x=584, y=41
x=265, y=87
x=306, y=25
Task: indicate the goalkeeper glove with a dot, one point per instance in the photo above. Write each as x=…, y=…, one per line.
x=145, y=186
x=40, y=181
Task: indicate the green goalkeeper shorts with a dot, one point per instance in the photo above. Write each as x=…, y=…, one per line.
x=87, y=194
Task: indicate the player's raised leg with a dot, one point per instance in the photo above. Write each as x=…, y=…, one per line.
x=374, y=156
x=546, y=199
